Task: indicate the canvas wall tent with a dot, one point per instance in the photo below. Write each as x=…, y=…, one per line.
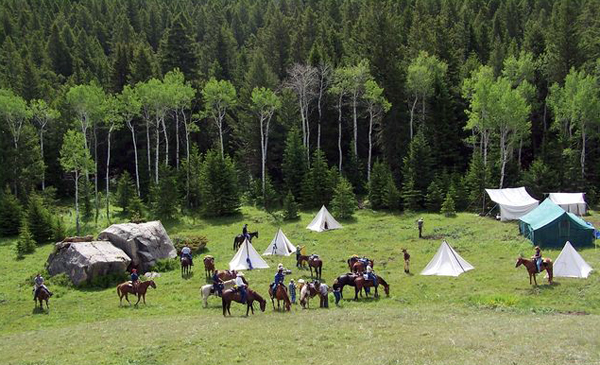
x=571, y=202
x=246, y=258
x=280, y=245
x=570, y=264
x=446, y=262
x=323, y=222
x=513, y=202
x=551, y=225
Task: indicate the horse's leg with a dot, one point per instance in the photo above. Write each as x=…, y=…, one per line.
x=356, y=290
x=127, y=298
x=144, y=296
x=139, y=297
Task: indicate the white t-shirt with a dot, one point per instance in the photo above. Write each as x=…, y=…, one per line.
x=239, y=281
x=186, y=251
x=323, y=289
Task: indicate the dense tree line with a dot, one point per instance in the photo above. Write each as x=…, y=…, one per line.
x=413, y=104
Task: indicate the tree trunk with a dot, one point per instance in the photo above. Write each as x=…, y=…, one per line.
x=137, y=173
x=187, y=154
x=504, y=157
x=166, y=141
x=263, y=153
x=302, y=118
x=77, y=201
x=42, y=153
x=582, y=159
x=370, y=146
x=177, y=140
x=307, y=130
x=354, y=118
x=220, y=125
x=320, y=116
x=157, y=153
x=148, y=149
x=107, y=175
x=412, y=114
x=340, y=133
x=96, y=202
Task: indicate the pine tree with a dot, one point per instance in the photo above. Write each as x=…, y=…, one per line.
x=380, y=175
x=290, y=207
x=125, y=191
x=411, y=196
x=219, y=190
x=59, y=230
x=136, y=209
x=294, y=162
x=343, y=203
x=58, y=52
x=39, y=220
x=448, y=207
x=164, y=195
x=143, y=65
x=25, y=243
x=476, y=181
x=316, y=187
x=178, y=49
x=435, y=197
x=10, y=214
x=417, y=172
x=391, y=197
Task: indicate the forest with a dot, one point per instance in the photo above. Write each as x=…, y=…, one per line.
x=198, y=106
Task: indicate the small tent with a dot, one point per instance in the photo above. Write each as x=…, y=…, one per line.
x=446, y=262
x=247, y=258
x=551, y=225
x=513, y=202
x=280, y=245
x=570, y=264
x=571, y=202
x=323, y=222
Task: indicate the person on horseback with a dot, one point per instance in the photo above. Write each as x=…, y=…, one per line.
x=245, y=232
x=187, y=252
x=279, y=278
x=38, y=282
x=538, y=258
x=370, y=275
x=239, y=283
x=135, y=280
x=217, y=284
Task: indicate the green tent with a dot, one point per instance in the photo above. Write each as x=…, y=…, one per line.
x=550, y=225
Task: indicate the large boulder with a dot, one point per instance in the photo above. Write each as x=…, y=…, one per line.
x=145, y=243
x=84, y=261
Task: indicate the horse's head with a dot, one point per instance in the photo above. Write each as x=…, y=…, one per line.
x=263, y=304
x=256, y=234
x=519, y=261
x=152, y=284
x=386, y=289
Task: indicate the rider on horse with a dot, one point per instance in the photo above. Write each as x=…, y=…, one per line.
x=239, y=283
x=370, y=275
x=187, y=252
x=135, y=280
x=39, y=284
x=538, y=258
x=279, y=278
x=217, y=284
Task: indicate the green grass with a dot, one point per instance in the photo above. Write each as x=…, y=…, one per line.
x=490, y=315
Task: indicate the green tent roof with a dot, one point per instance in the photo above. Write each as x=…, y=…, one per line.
x=545, y=213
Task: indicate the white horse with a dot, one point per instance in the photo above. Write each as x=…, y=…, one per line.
x=205, y=290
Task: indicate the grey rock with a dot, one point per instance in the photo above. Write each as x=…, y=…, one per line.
x=145, y=243
x=84, y=261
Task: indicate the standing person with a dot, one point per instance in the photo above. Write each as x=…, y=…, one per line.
x=38, y=283
x=239, y=283
x=337, y=293
x=406, y=261
x=420, y=225
x=135, y=279
x=298, y=254
x=323, y=290
x=292, y=290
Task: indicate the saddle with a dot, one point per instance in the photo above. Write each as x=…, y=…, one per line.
x=313, y=257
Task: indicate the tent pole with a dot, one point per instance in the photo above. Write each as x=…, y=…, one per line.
x=453, y=254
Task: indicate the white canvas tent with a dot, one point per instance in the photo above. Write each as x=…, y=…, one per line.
x=446, y=262
x=513, y=202
x=247, y=258
x=571, y=202
x=280, y=245
x=570, y=264
x=323, y=222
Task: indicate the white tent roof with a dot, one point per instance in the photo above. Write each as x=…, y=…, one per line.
x=570, y=264
x=571, y=202
x=446, y=262
x=280, y=245
x=247, y=258
x=323, y=222
x=513, y=202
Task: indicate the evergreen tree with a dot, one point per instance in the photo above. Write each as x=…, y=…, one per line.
x=39, y=220
x=417, y=172
x=25, y=243
x=143, y=65
x=476, y=181
x=343, y=203
x=219, y=185
x=136, y=209
x=59, y=231
x=380, y=177
x=125, y=191
x=391, y=197
x=290, y=207
x=59, y=53
x=294, y=163
x=411, y=197
x=164, y=195
x=178, y=49
x=316, y=187
x=448, y=207
x=435, y=197
x=10, y=214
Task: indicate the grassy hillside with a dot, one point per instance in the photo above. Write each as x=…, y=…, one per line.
x=488, y=315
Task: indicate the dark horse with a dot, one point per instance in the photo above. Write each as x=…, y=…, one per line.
x=346, y=279
x=126, y=288
x=42, y=295
x=361, y=282
x=231, y=295
x=239, y=239
x=209, y=266
x=186, y=266
x=280, y=294
x=318, y=265
x=532, y=268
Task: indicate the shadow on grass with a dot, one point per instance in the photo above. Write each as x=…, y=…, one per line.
x=188, y=276
x=38, y=310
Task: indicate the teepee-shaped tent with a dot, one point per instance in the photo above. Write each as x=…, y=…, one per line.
x=247, y=258
x=446, y=262
x=323, y=222
x=570, y=264
x=280, y=245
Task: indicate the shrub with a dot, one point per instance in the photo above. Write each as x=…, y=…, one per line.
x=290, y=207
x=448, y=208
x=165, y=265
x=195, y=243
x=136, y=209
x=435, y=197
x=25, y=243
x=10, y=214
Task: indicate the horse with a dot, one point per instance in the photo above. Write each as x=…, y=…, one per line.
x=353, y=260
x=209, y=266
x=361, y=282
x=239, y=239
x=301, y=260
x=207, y=290
x=346, y=279
x=225, y=275
x=308, y=291
x=317, y=264
x=42, y=295
x=230, y=295
x=126, y=288
x=186, y=266
x=280, y=294
x=532, y=268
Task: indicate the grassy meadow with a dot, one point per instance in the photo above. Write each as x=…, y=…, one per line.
x=490, y=315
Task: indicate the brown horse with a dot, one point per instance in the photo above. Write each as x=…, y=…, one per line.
x=226, y=274
x=346, y=279
x=231, y=295
x=353, y=260
x=280, y=294
x=42, y=295
x=302, y=260
x=209, y=266
x=318, y=265
x=361, y=282
x=359, y=267
x=532, y=268
x=126, y=288
x=308, y=291
x=239, y=239
x=186, y=266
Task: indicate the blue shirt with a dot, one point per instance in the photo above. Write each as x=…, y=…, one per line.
x=134, y=277
x=279, y=277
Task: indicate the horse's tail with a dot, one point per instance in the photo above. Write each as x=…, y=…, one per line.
x=119, y=290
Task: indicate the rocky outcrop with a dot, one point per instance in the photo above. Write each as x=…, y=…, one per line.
x=84, y=261
x=145, y=243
